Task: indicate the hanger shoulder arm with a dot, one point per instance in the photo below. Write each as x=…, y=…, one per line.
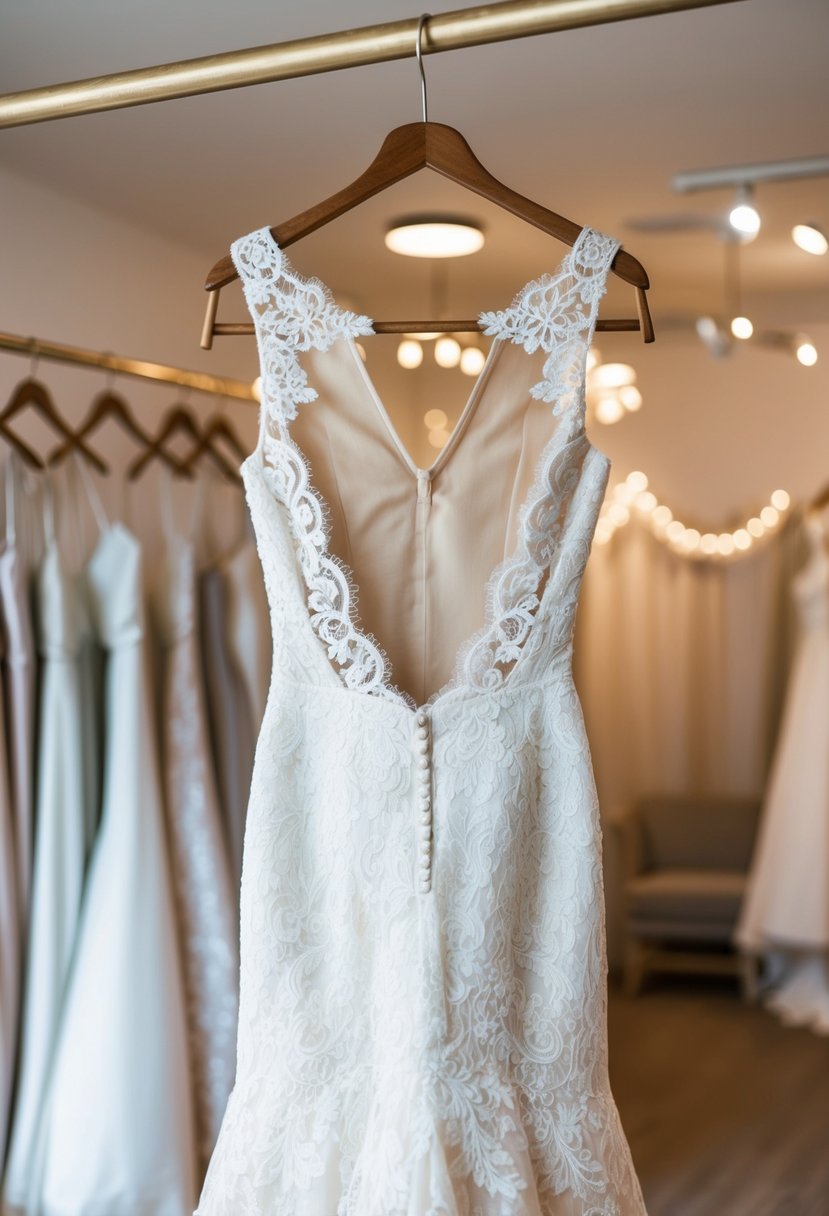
x=402, y=153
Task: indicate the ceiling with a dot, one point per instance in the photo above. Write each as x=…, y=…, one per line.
x=594, y=123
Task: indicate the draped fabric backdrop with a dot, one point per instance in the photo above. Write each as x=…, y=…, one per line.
x=681, y=667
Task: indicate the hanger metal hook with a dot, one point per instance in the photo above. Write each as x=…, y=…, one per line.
x=421, y=25
x=34, y=357
x=109, y=373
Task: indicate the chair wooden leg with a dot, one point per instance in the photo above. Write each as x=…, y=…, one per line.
x=636, y=962
x=749, y=969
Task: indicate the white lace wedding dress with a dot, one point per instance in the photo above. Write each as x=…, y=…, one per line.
x=423, y=982
x=785, y=914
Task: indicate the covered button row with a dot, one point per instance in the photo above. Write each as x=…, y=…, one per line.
x=424, y=801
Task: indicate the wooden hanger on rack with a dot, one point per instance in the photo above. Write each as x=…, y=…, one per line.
x=109, y=405
x=32, y=394
x=407, y=150
x=217, y=429
x=179, y=420
x=820, y=500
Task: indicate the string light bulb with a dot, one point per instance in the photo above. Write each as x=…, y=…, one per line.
x=611, y=389
x=609, y=410
x=630, y=398
x=632, y=498
x=435, y=419
x=741, y=327
x=447, y=352
x=438, y=436
x=472, y=360
x=409, y=354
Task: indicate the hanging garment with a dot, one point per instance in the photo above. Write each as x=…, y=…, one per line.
x=11, y=943
x=249, y=624
x=17, y=757
x=62, y=844
x=232, y=733
x=200, y=862
x=422, y=1019
x=19, y=679
x=116, y=1135
x=785, y=913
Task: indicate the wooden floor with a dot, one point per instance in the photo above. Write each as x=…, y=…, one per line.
x=726, y=1112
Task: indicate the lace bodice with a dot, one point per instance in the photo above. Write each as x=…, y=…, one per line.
x=422, y=1016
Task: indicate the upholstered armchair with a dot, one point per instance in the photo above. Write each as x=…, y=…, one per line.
x=684, y=863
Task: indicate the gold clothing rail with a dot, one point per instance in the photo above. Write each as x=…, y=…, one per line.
x=325, y=53
x=200, y=382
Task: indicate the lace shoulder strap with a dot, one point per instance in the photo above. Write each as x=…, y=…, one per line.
x=291, y=314
x=557, y=313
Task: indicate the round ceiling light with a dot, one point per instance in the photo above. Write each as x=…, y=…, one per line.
x=810, y=239
x=434, y=236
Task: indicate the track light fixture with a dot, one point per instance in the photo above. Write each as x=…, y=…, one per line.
x=744, y=216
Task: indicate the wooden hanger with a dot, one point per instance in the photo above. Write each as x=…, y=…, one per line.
x=217, y=428
x=31, y=393
x=178, y=420
x=105, y=406
x=820, y=500
x=406, y=150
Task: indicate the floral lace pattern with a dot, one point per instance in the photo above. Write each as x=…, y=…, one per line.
x=402, y=1053
x=556, y=313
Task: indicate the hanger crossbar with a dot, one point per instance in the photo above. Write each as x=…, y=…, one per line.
x=325, y=53
x=200, y=382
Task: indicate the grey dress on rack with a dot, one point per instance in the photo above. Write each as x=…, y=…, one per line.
x=232, y=732
x=203, y=887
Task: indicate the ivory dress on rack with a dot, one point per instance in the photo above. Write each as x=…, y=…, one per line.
x=66, y=788
x=20, y=677
x=785, y=915
x=422, y=1020
x=16, y=758
x=11, y=945
x=200, y=861
x=116, y=1136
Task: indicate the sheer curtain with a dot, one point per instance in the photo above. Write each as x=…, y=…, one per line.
x=681, y=667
